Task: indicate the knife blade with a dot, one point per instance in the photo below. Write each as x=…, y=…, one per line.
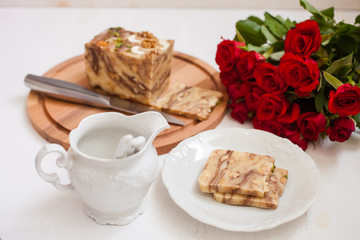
x=72, y=92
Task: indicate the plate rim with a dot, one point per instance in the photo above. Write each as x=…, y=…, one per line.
x=243, y=228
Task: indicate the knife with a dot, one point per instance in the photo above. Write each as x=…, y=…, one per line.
x=78, y=94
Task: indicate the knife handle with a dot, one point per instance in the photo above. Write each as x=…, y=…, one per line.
x=66, y=90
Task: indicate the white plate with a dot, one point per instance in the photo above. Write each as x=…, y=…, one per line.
x=184, y=164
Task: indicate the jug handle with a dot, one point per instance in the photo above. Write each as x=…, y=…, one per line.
x=61, y=162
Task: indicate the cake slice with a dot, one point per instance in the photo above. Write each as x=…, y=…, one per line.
x=236, y=172
x=131, y=65
x=277, y=182
x=189, y=101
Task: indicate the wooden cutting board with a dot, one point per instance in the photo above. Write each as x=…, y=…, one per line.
x=54, y=119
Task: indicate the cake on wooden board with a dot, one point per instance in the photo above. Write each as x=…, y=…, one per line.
x=189, y=101
x=134, y=66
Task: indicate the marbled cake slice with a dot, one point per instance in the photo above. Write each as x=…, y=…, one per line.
x=277, y=182
x=190, y=101
x=131, y=65
x=236, y=172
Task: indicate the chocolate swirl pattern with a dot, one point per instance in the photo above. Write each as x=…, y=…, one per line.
x=134, y=66
x=236, y=172
x=189, y=101
x=277, y=182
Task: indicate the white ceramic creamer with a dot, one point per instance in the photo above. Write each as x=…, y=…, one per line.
x=113, y=189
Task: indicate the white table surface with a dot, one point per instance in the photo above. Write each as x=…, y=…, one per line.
x=33, y=40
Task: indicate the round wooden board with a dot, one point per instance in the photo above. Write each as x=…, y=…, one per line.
x=54, y=119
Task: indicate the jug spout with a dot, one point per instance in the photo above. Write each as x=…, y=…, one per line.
x=154, y=122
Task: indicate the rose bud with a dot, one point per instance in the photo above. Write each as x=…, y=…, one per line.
x=341, y=129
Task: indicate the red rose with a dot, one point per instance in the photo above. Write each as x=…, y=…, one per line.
x=228, y=78
x=291, y=115
x=303, y=75
x=239, y=111
x=260, y=57
x=282, y=130
x=278, y=128
x=311, y=124
x=345, y=101
x=227, y=54
x=234, y=91
x=297, y=139
x=304, y=39
x=276, y=107
x=252, y=93
x=246, y=64
x=341, y=129
x=268, y=78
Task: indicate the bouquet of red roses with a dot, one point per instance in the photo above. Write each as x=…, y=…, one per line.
x=296, y=80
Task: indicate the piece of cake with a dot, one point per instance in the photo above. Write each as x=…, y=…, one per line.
x=134, y=66
x=236, y=172
x=189, y=101
x=277, y=182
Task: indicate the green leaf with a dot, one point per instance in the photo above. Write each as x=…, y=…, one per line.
x=256, y=19
x=239, y=38
x=340, y=63
x=333, y=81
x=357, y=119
x=268, y=52
x=312, y=9
x=325, y=38
x=347, y=44
x=278, y=46
x=348, y=30
x=258, y=49
x=357, y=19
x=275, y=25
x=289, y=24
x=269, y=36
x=320, y=100
x=323, y=21
x=329, y=12
x=251, y=32
x=322, y=60
x=277, y=55
x=320, y=86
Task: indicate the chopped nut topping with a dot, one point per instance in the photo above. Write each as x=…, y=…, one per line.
x=102, y=43
x=233, y=174
x=146, y=34
x=156, y=52
x=283, y=180
x=149, y=43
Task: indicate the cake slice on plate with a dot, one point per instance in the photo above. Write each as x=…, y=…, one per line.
x=277, y=182
x=236, y=172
